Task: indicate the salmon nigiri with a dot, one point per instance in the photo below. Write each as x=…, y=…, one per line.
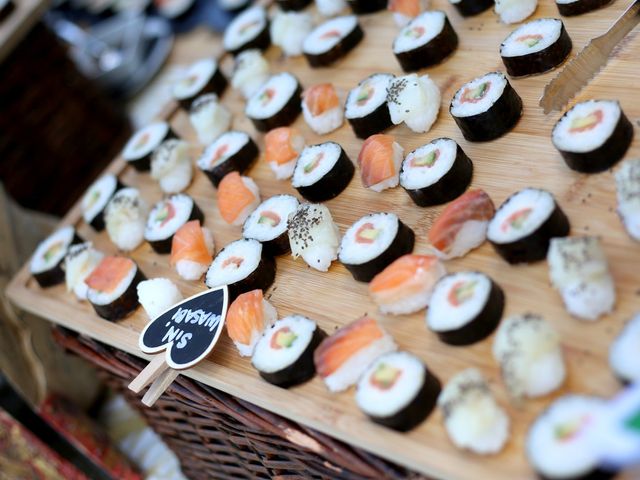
x=405, y=10
x=247, y=319
x=321, y=108
x=344, y=356
x=282, y=147
x=192, y=250
x=238, y=196
x=406, y=285
x=462, y=225
x=379, y=160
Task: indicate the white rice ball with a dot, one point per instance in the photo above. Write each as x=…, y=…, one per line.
x=514, y=11
x=157, y=295
x=288, y=31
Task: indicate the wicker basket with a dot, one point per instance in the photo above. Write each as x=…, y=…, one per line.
x=216, y=435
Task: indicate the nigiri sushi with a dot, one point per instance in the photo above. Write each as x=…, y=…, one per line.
x=414, y=100
x=247, y=319
x=288, y=31
x=322, y=109
x=405, y=10
x=462, y=225
x=406, y=285
x=238, y=196
x=628, y=192
x=126, y=218
x=171, y=166
x=514, y=11
x=282, y=147
x=251, y=70
x=157, y=295
x=313, y=236
x=192, y=250
x=344, y=356
x=379, y=160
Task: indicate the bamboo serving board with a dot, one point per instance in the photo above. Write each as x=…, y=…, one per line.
x=525, y=157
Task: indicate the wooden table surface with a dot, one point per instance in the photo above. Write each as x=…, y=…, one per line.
x=524, y=157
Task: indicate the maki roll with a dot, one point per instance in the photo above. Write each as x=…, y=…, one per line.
x=557, y=445
x=486, y=108
x=344, y=356
x=242, y=266
x=201, y=77
x=276, y=103
x=282, y=146
x=366, y=109
x=628, y=193
x=95, y=200
x=469, y=8
x=238, y=196
x=332, y=40
x=80, y=261
x=530, y=356
x=247, y=319
x=367, y=6
x=330, y=8
x=138, y=150
x=406, y=285
x=524, y=225
x=425, y=41
x=535, y=47
x=125, y=218
x=113, y=287
x=465, y=308
x=192, y=250
x=578, y=270
x=250, y=71
x=372, y=243
x=209, y=118
x=268, y=223
x=250, y=29
x=232, y=151
x=462, y=225
x=379, y=161
x=398, y=391
x=593, y=136
x=415, y=101
x=288, y=31
x=166, y=217
x=171, y=166
x=623, y=353
x=295, y=5
x=322, y=109
x=46, y=262
x=406, y=10
x=570, y=8
x=157, y=295
x=436, y=173
x=313, y=235
x=322, y=172
x=284, y=354
x=473, y=419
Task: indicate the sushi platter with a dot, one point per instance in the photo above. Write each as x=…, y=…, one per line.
x=522, y=160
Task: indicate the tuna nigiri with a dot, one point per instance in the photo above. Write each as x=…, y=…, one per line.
x=238, y=196
x=462, y=225
x=342, y=358
x=379, y=160
x=322, y=109
x=405, y=286
x=247, y=319
x=192, y=250
x=406, y=10
x=282, y=147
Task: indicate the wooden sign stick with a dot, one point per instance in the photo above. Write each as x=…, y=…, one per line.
x=151, y=372
x=158, y=387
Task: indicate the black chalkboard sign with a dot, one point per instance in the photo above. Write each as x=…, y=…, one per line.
x=188, y=330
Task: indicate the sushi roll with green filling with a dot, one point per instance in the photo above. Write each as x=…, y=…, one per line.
x=361, y=7
x=415, y=101
x=578, y=270
x=425, y=41
x=398, y=391
x=313, y=235
x=593, y=136
x=48, y=259
x=366, y=109
x=465, y=308
x=201, y=77
x=628, y=193
x=469, y=8
x=171, y=166
x=623, y=353
x=209, y=118
x=250, y=29
x=96, y=198
x=80, y=261
x=486, y=108
x=535, y=47
x=570, y=8
x=284, y=354
x=140, y=147
x=524, y=225
x=166, y=218
x=372, y=243
x=268, y=223
x=332, y=40
x=322, y=172
x=530, y=355
x=232, y=151
x=276, y=103
x=125, y=218
x=242, y=266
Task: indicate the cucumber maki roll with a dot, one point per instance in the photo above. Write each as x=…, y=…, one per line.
x=276, y=103
x=366, y=109
x=268, y=223
x=201, y=77
x=140, y=147
x=166, y=218
x=95, y=201
x=250, y=29
x=332, y=40
x=48, y=259
x=232, y=151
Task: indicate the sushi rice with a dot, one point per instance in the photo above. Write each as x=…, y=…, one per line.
x=288, y=31
x=414, y=100
x=623, y=352
x=172, y=166
x=209, y=118
x=251, y=70
x=628, y=194
x=313, y=236
x=330, y=8
x=514, y=11
x=126, y=217
x=157, y=295
x=79, y=262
